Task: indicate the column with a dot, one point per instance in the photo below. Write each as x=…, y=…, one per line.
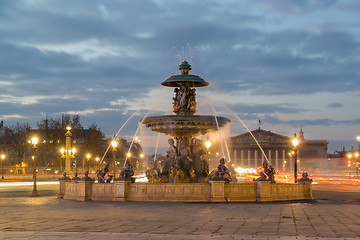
x=242, y=158
x=277, y=159
x=235, y=158
x=269, y=156
x=249, y=155
x=283, y=157
x=255, y=159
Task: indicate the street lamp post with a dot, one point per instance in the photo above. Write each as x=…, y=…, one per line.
x=295, y=142
x=141, y=163
x=67, y=152
x=88, y=161
x=208, y=145
x=35, y=192
x=68, y=135
x=2, y=170
x=73, y=154
x=114, y=145
x=356, y=155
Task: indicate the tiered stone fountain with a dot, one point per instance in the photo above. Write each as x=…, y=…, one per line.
x=185, y=174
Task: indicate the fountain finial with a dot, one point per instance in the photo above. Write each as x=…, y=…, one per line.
x=184, y=68
x=184, y=78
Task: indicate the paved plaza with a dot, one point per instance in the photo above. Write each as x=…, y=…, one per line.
x=332, y=215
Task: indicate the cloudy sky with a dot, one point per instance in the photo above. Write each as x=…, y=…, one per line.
x=287, y=63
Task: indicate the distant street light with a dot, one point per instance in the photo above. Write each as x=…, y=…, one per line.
x=88, y=161
x=34, y=142
x=114, y=145
x=295, y=142
x=208, y=145
x=2, y=170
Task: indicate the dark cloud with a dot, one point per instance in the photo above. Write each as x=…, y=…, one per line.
x=336, y=105
x=313, y=122
x=332, y=44
x=290, y=7
x=80, y=57
x=257, y=109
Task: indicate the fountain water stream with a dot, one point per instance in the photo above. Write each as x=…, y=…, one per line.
x=102, y=159
x=238, y=118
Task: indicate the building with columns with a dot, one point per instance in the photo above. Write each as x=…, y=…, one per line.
x=245, y=152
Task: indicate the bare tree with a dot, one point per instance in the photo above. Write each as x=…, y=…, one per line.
x=94, y=139
x=17, y=140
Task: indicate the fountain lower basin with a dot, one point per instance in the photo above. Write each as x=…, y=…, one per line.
x=217, y=191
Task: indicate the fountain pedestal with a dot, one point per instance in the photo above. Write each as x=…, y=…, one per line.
x=217, y=191
x=121, y=190
x=263, y=191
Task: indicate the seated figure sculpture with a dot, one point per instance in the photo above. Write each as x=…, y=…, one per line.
x=169, y=161
x=183, y=162
x=200, y=165
x=269, y=171
x=222, y=173
x=166, y=164
x=153, y=174
x=102, y=173
x=262, y=177
x=172, y=152
x=305, y=178
x=127, y=173
x=267, y=174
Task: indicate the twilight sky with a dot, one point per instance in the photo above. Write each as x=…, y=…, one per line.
x=286, y=62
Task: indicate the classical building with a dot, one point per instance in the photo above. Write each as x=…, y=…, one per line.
x=245, y=152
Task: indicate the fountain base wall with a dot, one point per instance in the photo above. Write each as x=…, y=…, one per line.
x=216, y=191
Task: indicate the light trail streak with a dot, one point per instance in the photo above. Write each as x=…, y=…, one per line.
x=10, y=184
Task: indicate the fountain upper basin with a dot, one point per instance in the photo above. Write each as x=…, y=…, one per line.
x=184, y=125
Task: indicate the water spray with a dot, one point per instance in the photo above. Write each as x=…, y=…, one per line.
x=252, y=135
x=156, y=147
x=132, y=141
x=102, y=159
